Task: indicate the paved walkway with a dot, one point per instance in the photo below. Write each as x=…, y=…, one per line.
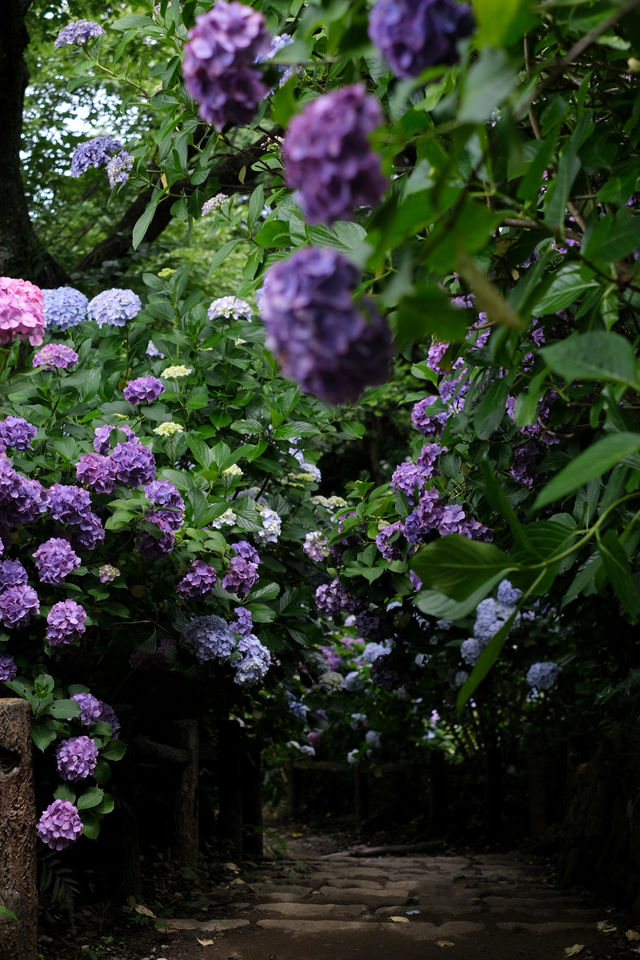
x=345, y=907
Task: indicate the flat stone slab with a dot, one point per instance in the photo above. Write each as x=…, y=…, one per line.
x=294, y=890
x=410, y=931
x=374, y=896
x=217, y=926
x=314, y=911
x=539, y=929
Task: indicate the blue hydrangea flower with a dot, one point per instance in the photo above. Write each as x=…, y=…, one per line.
x=119, y=167
x=78, y=33
x=211, y=638
x=93, y=153
x=114, y=307
x=64, y=307
x=542, y=676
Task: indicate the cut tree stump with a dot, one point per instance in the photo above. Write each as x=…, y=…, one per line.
x=18, y=890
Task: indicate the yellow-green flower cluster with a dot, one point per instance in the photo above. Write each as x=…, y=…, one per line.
x=178, y=370
x=168, y=429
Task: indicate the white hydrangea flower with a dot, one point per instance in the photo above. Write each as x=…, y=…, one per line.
x=271, y=525
x=214, y=203
x=178, y=370
x=230, y=307
x=233, y=471
x=227, y=519
x=168, y=429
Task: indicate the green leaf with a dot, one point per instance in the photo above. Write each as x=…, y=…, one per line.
x=133, y=21
x=91, y=798
x=143, y=222
x=90, y=827
x=565, y=287
x=114, y=750
x=64, y=792
x=437, y=605
x=43, y=733
x=497, y=498
x=458, y=567
x=5, y=912
x=560, y=190
x=618, y=570
x=622, y=240
x=501, y=22
x=597, y=459
x=273, y=234
x=486, y=660
x=256, y=206
x=489, y=82
x=429, y=311
x=596, y=355
x=64, y=709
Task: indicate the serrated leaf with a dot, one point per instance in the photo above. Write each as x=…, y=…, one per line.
x=459, y=567
x=597, y=459
x=143, y=222
x=596, y=355
x=64, y=709
x=567, y=284
x=90, y=799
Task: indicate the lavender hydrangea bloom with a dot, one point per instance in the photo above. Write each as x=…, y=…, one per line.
x=135, y=464
x=390, y=551
x=241, y=576
x=332, y=599
x=119, y=167
x=152, y=351
x=17, y=604
x=97, y=472
x=78, y=33
x=524, y=466
x=93, y=153
x=93, y=710
x=426, y=423
x=87, y=534
x=327, y=155
x=64, y=307
x=244, y=549
x=490, y=617
x=65, y=622
x=154, y=545
x=8, y=669
x=114, y=307
x=507, y=594
x=77, y=758
x=55, y=356
x=55, y=559
x=313, y=327
x=471, y=649
x=255, y=661
x=243, y=623
x=143, y=390
x=406, y=478
x=316, y=546
x=230, y=307
x=69, y=504
x=60, y=825
x=211, y=638
x=542, y=676
x=415, y=34
x=425, y=518
x=11, y=573
x=23, y=499
x=164, y=494
x=17, y=432
x=218, y=63
x=101, y=443
x=452, y=520
x=198, y=582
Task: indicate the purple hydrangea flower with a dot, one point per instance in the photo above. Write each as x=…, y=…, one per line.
x=64, y=307
x=143, y=390
x=508, y=595
x=435, y=355
x=316, y=546
x=491, y=616
x=243, y=623
x=93, y=153
x=244, y=549
x=102, y=440
x=241, y=576
x=8, y=669
x=17, y=432
x=524, y=466
x=77, y=758
x=135, y=464
x=321, y=340
x=17, y=604
x=87, y=534
x=152, y=351
x=65, y=622
x=211, y=638
x=119, y=167
x=11, y=573
x=198, y=582
x=255, y=661
x=23, y=499
x=114, y=307
x=55, y=356
x=427, y=423
x=55, y=559
x=78, y=33
x=60, y=825
x=452, y=520
x=97, y=472
x=415, y=34
x=406, y=478
x=471, y=649
x=425, y=518
x=69, y=504
x=151, y=544
x=542, y=676
x=163, y=494
x=389, y=550
x=218, y=63
x=328, y=158
x=332, y=599
x=93, y=710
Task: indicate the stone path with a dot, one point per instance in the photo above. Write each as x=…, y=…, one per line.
x=343, y=907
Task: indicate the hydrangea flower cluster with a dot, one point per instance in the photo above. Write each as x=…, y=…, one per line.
x=152, y=351
x=271, y=525
x=77, y=758
x=23, y=500
x=332, y=599
x=17, y=432
x=386, y=541
x=542, y=676
x=8, y=669
x=78, y=33
x=491, y=615
x=415, y=34
x=68, y=504
x=157, y=542
x=255, y=661
x=55, y=356
x=230, y=307
x=60, y=825
x=426, y=422
x=119, y=167
x=168, y=429
x=198, y=582
x=114, y=307
x=93, y=710
x=328, y=158
x=93, y=153
x=17, y=604
x=102, y=438
x=12, y=573
x=135, y=463
x=97, y=472
x=243, y=623
x=64, y=307
x=108, y=573
x=176, y=371
x=21, y=311
x=211, y=638
x=243, y=569
x=213, y=203
x=143, y=390
x=165, y=495
x=316, y=546
x=55, y=559
x=218, y=63
x=65, y=622
x=314, y=329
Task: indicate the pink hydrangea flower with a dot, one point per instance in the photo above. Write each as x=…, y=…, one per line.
x=21, y=311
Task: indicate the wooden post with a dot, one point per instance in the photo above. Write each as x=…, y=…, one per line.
x=18, y=890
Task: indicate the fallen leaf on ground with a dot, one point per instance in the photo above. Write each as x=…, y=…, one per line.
x=574, y=950
x=398, y=919
x=605, y=927
x=205, y=943
x=444, y=943
x=632, y=935
x=296, y=834
x=140, y=908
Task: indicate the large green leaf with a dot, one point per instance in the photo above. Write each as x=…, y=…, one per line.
x=429, y=311
x=435, y=604
x=459, y=567
x=565, y=287
x=618, y=570
x=501, y=22
x=597, y=459
x=558, y=194
x=596, y=355
x=489, y=82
